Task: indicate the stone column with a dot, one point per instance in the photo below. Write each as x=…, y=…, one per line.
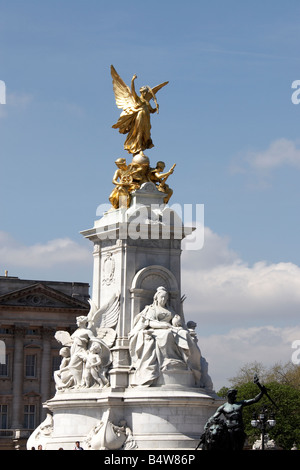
x=46, y=368
x=97, y=273
x=18, y=378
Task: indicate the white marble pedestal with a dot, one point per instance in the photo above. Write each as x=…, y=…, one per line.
x=159, y=417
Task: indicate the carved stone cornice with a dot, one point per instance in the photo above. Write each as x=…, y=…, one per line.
x=42, y=297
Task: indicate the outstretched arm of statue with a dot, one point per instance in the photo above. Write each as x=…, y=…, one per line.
x=153, y=110
x=254, y=400
x=133, y=92
x=164, y=176
x=161, y=176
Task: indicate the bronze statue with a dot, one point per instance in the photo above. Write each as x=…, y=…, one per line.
x=233, y=434
x=135, y=117
x=215, y=436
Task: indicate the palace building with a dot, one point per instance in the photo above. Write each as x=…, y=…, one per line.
x=30, y=314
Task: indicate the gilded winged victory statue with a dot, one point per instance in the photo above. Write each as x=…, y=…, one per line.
x=135, y=117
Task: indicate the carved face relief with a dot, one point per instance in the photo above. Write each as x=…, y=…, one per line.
x=162, y=298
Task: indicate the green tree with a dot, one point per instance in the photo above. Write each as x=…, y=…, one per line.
x=283, y=385
x=286, y=432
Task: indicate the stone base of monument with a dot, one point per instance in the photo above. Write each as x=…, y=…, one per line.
x=140, y=418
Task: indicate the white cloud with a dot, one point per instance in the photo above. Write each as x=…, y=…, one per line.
x=221, y=288
x=281, y=152
x=57, y=252
x=227, y=353
x=243, y=313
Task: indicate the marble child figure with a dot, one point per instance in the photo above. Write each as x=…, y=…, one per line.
x=93, y=371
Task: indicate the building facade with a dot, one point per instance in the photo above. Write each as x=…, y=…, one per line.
x=30, y=314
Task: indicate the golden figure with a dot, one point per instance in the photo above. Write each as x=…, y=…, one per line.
x=157, y=176
x=135, y=117
x=123, y=179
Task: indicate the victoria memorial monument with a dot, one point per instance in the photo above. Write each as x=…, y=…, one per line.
x=132, y=375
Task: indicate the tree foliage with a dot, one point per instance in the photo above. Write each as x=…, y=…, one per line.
x=286, y=374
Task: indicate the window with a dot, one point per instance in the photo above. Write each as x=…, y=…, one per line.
x=56, y=360
x=29, y=416
x=6, y=331
x=4, y=367
x=32, y=331
x=3, y=416
x=30, y=366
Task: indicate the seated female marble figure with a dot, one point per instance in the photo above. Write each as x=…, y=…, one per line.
x=158, y=342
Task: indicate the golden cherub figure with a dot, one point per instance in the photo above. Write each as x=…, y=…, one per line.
x=124, y=184
x=159, y=178
x=135, y=117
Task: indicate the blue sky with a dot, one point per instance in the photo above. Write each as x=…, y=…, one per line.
x=226, y=119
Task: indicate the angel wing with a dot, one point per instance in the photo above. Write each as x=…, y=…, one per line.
x=123, y=95
x=63, y=337
x=107, y=335
x=106, y=316
x=155, y=89
x=93, y=310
